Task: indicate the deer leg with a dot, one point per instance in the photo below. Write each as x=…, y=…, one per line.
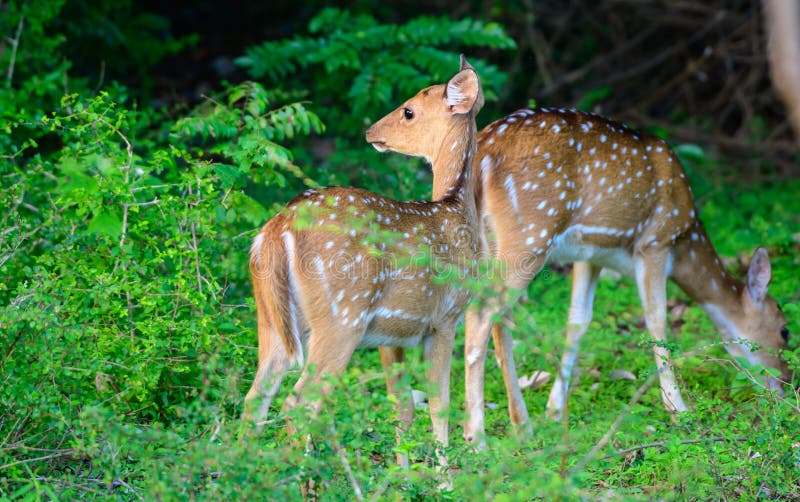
x=328, y=358
x=478, y=324
x=328, y=355
x=651, y=279
x=272, y=366
x=441, y=353
x=584, y=282
x=439, y=377
x=503, y=348
x=405, y=403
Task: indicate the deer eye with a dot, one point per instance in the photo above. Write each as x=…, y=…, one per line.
x=408, y=114
x=785, y=334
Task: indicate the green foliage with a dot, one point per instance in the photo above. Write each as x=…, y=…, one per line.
x=127, y=330
x=369, y=65
x=594, y=97
x=245, y=130
x=32, y=84
x=358, y=69
x=37, y=60
x=123, y=272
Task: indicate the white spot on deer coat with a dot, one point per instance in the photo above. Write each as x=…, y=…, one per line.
x=512, y=192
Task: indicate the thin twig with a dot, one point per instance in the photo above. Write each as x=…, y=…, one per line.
x=14, y=46
x=658, y=59
x=573, y=76
x=196, y=259
x=64, y=453
x=345, y=463
x=142, y=204
x=658, y=444
x=124, y=230
x=101, y=78
x=534, y=40
x=66, y=484
x=127, y=169
x=758, y=381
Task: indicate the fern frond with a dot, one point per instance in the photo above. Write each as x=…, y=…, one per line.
x=275, y=60
x=358, y=67
x=331, y=20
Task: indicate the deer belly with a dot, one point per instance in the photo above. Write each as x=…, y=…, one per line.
x=394, y=328
x=606, y=250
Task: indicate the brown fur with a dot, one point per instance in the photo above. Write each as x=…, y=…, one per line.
x=566, y=185
x=322, y=278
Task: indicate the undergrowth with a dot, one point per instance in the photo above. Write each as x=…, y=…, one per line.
x=127, y=329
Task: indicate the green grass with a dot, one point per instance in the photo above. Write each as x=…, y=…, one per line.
x=757, y=448
x=737, y=442
x=127, y=328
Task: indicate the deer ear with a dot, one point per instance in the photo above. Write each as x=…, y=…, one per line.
x=463, y=91
x=759, y=274
x=465, y=64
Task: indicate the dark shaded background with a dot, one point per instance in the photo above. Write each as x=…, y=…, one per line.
x=697, y=71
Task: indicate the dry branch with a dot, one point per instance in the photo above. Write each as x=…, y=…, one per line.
x=698, y=70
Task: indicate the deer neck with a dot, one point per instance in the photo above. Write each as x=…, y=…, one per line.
x=699, y=271
x=452, y=166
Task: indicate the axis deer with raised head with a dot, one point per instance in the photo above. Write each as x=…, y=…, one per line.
x=566, y=186
x=319, y=286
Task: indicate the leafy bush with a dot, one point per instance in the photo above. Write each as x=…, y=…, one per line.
x=360, y=66
x=127, y=329
x=358, y=70
x=125, y=273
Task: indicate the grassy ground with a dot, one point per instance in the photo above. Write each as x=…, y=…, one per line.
x=738, y=442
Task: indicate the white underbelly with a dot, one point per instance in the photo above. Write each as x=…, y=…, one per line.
x=567, y=248
x=394, y=328
x=373, y=339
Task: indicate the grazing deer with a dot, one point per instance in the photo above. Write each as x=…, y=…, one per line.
x=566, y=186
x=319, y=285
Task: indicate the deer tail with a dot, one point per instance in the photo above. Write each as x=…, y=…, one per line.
x=271, y=272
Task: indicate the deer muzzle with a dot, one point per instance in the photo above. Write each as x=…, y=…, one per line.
x=375, y=140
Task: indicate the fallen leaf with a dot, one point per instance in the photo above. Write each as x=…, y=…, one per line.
x=678, y=310
x=621, y=375
x=535, y=380
x=420, y=399
x=103, y=381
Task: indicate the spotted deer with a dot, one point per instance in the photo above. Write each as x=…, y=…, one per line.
x=327, y=286
x=557, y=185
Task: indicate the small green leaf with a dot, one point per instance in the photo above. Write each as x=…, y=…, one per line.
x=691, y=152
x=106, y=223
